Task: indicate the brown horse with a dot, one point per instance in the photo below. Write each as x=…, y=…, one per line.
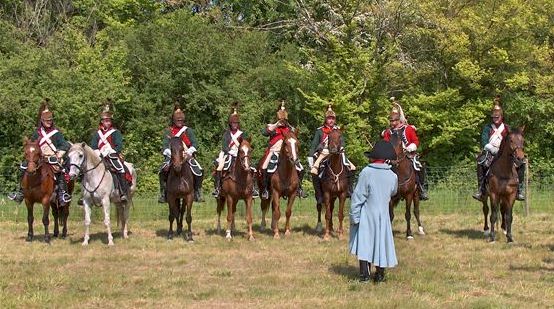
x=38, y=186
x=407, y=187
x=334, y=184
x=284, y=183
x=237, y=185
x=180, y=189
x=503, y=181
x=61, y=212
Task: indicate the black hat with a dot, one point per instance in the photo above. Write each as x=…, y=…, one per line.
x=382, y=150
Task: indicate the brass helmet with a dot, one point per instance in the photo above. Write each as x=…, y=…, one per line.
x=397, y=113
x=178, y=113
x=330, y=112
x=234, y=117
x=44, y=112
x=106, y=112
x=282, y=112
x=497, y=108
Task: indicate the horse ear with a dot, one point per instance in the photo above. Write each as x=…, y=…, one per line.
x=83, y=144
x=522, y=129
x=25, y=140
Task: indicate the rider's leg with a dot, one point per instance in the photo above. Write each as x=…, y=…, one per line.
x=162, y=175
x=300, y=170
x=63, y=193
x=481, y=171
x=521, y=184
x=422, y=184
x=198, y=188
x=322, y=155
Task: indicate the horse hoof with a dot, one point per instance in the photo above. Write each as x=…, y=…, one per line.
x=251, y=238
x=410, y=237
x=287, y=233
x=487, y=233
x=85, y=243
x=190, y=239
x=47, y=239
x=276, y=236
x=420, y=230
x=110, y=243
x=55, y=235
x=504, y=232
x=319, y=227
x=29, y=239
x=340, y=236
x=262, y=228
x=326, y=237
x=64, y=236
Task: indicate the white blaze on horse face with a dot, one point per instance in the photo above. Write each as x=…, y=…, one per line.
x=292, y=142
x=32, y=149
x=245, y=150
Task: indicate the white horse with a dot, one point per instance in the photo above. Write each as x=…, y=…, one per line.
x=98, y=188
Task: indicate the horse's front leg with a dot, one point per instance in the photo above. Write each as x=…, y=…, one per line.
x=408, y=216
x=220, y=205
x=56, y=213
x=46, y=219
x=319, y=226
x=106, y=207
x=30, y=220
x=188, y=200
x=486, y=229
x=494, y=217
x=65, y=215
x=276, y=214
x=509, y=219
x=342, y=202
x=249, y=201
x=86, y=206
x=173, y=214
x=420, y=230
x=327, y=203
x=230, y=216
x=124, y=219
x=181, y=207
x=288, y=212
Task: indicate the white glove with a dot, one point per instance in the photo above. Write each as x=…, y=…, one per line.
x=167, y=152
x=105, y=151
x=411, y=148
x=233, y=152
x=490, y=148
x=310, y=161
x=191, y=150
x=272, y=127
x=60, y=154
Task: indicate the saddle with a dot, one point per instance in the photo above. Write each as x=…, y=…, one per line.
x=325, y=162
x=114, y=164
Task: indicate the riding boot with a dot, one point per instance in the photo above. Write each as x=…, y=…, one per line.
x=300, y=192
x=379, y=274
x=123, y=187
x=521, y=184
x=478, y=195
x=217, y=184
x=63, y=194
x=422, y=185
x=198, y=188
x=163, y=183
x=364, y=271
x=17, y=196
x=265, y=185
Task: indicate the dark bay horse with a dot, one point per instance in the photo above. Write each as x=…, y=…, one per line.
x=407, y=187
x=38, y=186
x=503, y=180
x=284, y=183
x=237, y=185
x=334, y=184
x=180, y=189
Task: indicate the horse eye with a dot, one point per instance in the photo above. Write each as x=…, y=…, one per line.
x=80, y=156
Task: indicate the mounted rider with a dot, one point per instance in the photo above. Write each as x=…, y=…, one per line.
x=232, y=137
x=276, y=133
x=186, y=134
x=319, y=148
x=53, y=147
x=491, y=137
x=400, y=129
x=107, y=143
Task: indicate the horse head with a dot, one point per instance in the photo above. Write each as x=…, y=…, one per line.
x=290, y=147
x=516, y=140
x=76, y=155
x=245, y=149
x=177, y=153
x=334, y=141
x=32, y=154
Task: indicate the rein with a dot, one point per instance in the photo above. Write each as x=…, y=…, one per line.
x=85, y=171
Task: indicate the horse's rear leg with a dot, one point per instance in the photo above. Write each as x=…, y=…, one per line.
x=249, y=206
x=494, y=217
x=265, y=206
x=319, y=226
x=486, y=229
x=408, y=217
x=173, y=214
x=125, y=219
x=342, y=202
x=30, y=220
x=420, y=230
x=509, y=218
x=46, y=220
x=65, y=215
x=56, y=213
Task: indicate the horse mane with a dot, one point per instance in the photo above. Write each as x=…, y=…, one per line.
x=175, y=141
x=89, y=153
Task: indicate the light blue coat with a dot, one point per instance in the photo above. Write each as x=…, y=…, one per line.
x=371, y=236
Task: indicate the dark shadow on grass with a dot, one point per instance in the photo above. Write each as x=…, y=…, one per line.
x=306, y=230
x=532, y=268
x=95, y=237
x=267, y=231
x=348, y=271
x=465, y=233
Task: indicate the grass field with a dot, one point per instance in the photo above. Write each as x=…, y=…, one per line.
x=452, y=266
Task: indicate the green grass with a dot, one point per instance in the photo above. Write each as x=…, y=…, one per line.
x=452, y=266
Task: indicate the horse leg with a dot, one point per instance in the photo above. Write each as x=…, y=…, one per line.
x=181, y=208
x=125, y=220
x=86, y=237
x=46, y=219
x=319, y=226
x=173, y=214
x=342, y=202
x=188, y=200
x=494, y=217
x=248, y=201
x=509, y=217
x=332, y=206
x=327, y=203
x=107, y=223
x=288, y=213
x=276, y=214
x=30, y=220
x=265, y=206
x=503, y=214
x=408, y=217
x=486, y=215
x=56, y=215
x=65, y=214
x=220, y=206
x=420, y=230
x=230, y=217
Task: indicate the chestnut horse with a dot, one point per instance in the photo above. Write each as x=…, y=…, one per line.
x=503, y=181
x=284, y=183
x=237, y=185
x=180, y=189
x=407, y=187
x=334, y=184
x=38, y=185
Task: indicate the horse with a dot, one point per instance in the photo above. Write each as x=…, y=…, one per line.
x=98, y=188
x=284, y=183
x=38, y=186
x=503, y=180
x=407, y=187
x=237, y=185
x=180, y=189
x=333, y=185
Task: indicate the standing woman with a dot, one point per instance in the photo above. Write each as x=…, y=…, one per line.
x=371, y=238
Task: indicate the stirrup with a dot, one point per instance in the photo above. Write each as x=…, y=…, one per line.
x=215, y=193
x=265, y=195
x=65, y=197
x=16, y=196
x=255, y=193
x=478, y=196
x=162, y=199
x=123, y=197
